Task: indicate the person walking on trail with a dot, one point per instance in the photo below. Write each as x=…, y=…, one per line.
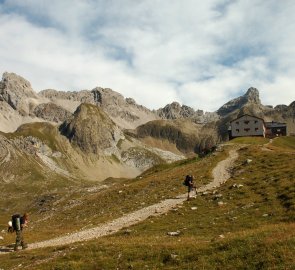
x=18, y=224
x=189, y=182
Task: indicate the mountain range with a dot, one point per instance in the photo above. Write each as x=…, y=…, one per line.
x=95, y=134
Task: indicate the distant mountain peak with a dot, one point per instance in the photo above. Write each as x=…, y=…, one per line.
x=91, y=129
x=251, y=97
x=17, y=84
x=16, y=91
x=175, y=111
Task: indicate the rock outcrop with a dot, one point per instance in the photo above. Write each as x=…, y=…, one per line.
x=17, y=102
x=51, y=112
x=18, y=93
x=91, y=129
x=176, y=111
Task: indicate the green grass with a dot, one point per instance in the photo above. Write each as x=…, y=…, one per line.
x=119, y=143
x=266, y=248
x=41, y=130
x=114, y=158
x=250, y=140
x=256, y=221
x=284, y=142
x=79, y=208
x=166, y=166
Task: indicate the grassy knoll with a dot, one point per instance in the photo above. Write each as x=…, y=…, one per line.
x=248, y=223
x=250, y=140
x=43, y=131
x=287, y=143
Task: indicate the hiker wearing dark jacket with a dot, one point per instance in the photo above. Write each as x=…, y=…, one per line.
x=23, y=221
x=190, y=186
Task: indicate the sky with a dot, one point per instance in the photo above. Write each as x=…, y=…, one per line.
x=198, y=53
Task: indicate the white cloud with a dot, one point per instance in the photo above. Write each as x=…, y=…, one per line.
x=199, y=53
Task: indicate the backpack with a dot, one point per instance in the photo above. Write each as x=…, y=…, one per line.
x=187, y=180
x=16, y=222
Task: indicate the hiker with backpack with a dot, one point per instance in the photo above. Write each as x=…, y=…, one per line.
x=17, y=224
x=189, y=182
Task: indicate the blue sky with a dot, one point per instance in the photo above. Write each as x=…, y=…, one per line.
x=199, y=53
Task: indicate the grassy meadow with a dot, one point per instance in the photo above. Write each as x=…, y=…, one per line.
x=285, y=143
x=64, y=208
x=250, y=140
x=247, y=223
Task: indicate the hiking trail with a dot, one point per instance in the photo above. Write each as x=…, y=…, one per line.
x=220, y=175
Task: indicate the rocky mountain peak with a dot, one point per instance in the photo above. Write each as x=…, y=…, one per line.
x=106, y=96
x=125, y=112
x=91, y=129
x=17, y=92
x=14, y=84
x=130, y=101
x=10, y=78
x=175, y=111
x=251, y=98
x=281, y=107
x=175, y=105
x=252, y=95
x=51, y=112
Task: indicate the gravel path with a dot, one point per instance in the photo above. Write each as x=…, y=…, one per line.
x=220, y=175
x=221, y=172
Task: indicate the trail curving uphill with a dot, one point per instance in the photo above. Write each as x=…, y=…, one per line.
x=220, y=175
x=222, y=171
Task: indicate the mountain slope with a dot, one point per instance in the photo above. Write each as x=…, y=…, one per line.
x=93, y=148
x=93, y=123
x=248, y=221
x=220, y=175
x=187, y=136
